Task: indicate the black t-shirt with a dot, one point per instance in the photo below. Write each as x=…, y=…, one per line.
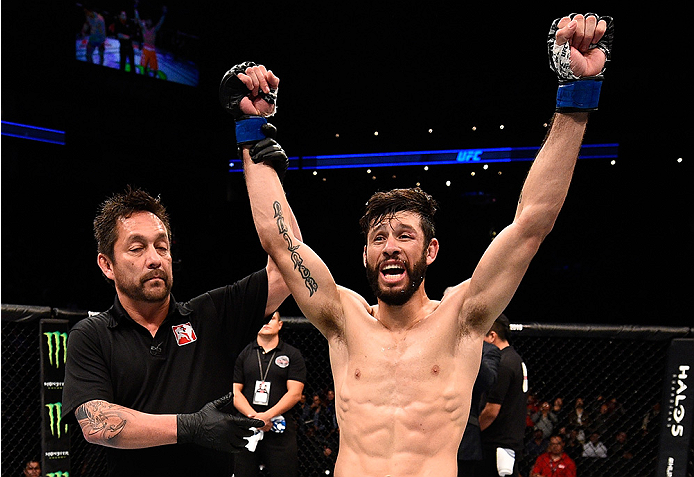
x=278, y=366
x=185, y=365
x=126, y=28
x=510, y=390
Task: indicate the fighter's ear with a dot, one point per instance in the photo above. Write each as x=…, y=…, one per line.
x=432, y=251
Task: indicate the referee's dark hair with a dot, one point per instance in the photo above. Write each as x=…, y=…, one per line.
x=502, y=327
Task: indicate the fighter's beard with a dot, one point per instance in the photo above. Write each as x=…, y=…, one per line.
x=415, y=277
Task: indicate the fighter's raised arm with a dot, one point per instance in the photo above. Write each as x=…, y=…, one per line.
x=578, y=48
x=249, y=92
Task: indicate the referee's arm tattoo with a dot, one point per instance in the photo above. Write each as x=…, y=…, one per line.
x=103, y=420
x=293, y=249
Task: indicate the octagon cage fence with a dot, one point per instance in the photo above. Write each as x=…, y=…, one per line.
x=618, y=372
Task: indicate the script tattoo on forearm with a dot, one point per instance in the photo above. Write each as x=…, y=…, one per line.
x=100, y=417
x=296, y=258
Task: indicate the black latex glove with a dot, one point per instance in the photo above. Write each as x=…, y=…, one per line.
x=212, y=428
x=268, y=150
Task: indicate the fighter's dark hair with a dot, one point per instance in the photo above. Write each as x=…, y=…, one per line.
x=384, y=205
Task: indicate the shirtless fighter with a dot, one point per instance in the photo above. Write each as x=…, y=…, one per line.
x=404, y=368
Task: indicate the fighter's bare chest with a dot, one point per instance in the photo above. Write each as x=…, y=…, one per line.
x=419, y=354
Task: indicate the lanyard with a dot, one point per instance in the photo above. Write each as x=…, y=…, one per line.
x=260, y=366
x=554, y=464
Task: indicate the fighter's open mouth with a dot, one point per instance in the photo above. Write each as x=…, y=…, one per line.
x=392, y=270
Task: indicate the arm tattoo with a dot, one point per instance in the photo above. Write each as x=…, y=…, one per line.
x=100, y=417
x=296, y=258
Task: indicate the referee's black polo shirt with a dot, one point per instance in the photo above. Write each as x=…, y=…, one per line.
x=187, y=364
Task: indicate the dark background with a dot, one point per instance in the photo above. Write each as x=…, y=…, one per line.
x=621, y=251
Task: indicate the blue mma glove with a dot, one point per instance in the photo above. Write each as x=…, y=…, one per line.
x=231, y=92
x=574, y=93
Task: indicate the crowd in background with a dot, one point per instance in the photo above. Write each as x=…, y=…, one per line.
x=318, y=434
x=599, y=435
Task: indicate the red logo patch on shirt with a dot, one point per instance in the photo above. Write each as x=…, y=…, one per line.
x=185, y=334
x=282, y=361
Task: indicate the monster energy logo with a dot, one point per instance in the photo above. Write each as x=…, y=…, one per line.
x=55, y=411
x=58, y=474
x=56, y=341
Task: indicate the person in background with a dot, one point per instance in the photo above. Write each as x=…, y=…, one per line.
x=95, y=30
x=594, y=448
x=269, y=378
x=536, y=446
x=503, y=418
x=545, y=420
x=580, y=420
x=124, y=31
x=32, y=468
x=554, y=462
x=470, y=449
x=148, y=59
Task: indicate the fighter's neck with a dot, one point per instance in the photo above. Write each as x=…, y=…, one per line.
x=405, y=316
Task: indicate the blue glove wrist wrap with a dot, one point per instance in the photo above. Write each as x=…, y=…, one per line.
x=579, y=95
x=249, y=129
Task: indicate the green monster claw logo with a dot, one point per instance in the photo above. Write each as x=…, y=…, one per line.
x=58, y=474
x=56, y=341
x=55, y=411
